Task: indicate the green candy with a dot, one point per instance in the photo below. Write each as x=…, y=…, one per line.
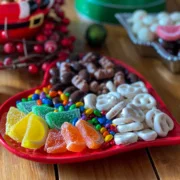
x=42, y=110
x=97, y=113
x=61, y=108
x=73, y=106
x=29, y=98
x=98, y=127
x=67, y=94
x=56, y=119
x=26, y=107
x=94, y=120
x=23, y=99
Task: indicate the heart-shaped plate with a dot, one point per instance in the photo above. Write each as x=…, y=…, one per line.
x=41, y=156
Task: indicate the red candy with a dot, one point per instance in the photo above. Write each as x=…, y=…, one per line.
x=33, y=69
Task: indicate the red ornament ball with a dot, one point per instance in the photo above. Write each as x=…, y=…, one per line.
x=38, y=48
x=49, y=26
x=65, y=21
x=33, y=69
x=45, y=66
x=20, y=47
x=7, y=61
x=4, y=35
x=50, y=46
x=9, y=48
x=1, y=64
x=66, y=42
x=41, y=38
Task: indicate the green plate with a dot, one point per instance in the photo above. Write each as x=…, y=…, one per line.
x=104, y=10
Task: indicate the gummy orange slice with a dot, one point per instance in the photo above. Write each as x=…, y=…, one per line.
x=72, y=137
x=55, y=142
x=91, y=136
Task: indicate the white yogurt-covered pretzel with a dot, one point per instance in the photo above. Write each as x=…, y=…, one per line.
x=90, y=101
x=128, y=91
x=144, y=101
x=115, y=110
x=163, y=124
x=141, y=85
x=134, y=126
x=117, y=95
x=110, y=86
x=106, y=102
x=125, y=138
x=149, y=118
x=133, y=112
x=147, y=135
x=121, y=120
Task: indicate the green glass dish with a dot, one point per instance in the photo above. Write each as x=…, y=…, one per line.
x=105, y=10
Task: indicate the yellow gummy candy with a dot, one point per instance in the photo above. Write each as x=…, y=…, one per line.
x=36, y=133
x=13, y=116
x=17, y=131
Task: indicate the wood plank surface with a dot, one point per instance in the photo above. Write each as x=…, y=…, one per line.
x=130, y=165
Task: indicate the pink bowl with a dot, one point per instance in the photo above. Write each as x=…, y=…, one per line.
x=41, y=156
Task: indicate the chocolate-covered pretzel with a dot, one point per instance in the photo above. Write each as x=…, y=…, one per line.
x=91, y=68
x=94, y=86
x=119, y=78
x=80, y=83
x=104, y=73
x=106, y=63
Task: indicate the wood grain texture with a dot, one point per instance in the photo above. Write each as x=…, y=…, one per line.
x=131, y=165
x=15, y=168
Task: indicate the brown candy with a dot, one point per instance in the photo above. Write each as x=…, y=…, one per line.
x=76, y=96
x=91, y=68
x=56, y=87
x=106, y=63
x=64, y=68
x=94, y=86
x=80, y=83
x=56, y=100
x=119, y=78
x=76, y=66
x=70, y=89
x=104, y=73
x=66, y=77
x=89, y=57
x=84, y=75
x=102, y=89
x=54, y=80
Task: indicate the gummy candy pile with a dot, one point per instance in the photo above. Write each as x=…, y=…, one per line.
x=59, y=120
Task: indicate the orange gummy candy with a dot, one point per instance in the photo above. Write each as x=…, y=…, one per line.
x=91, y=136
x=72, y=137
x=55, y=142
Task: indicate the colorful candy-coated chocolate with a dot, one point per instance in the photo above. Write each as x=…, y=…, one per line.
x=53, y=94
x=108, y=138
x=78, y=104
x=39, y=102
x=37, y=91
x=101, y=120
x=61, y=108
x=94, y=120
x=74, y=121
x=105, y=133
x=97, y=112
x=103, y=129
x=23, y=99
x=73, y=106
x=46, y=90
x=98, y=127
x=64, y=97
x=35, y=96
x=88, y=111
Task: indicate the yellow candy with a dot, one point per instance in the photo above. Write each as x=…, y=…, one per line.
x=30, y=96
x=64, y=97
x=103, y=129
x=78, y=104
x=89, y=111
x=37, y=91
x=55, y=110
x=36, y=133
x=13, y=116
x=108, y=138
x=18, y=130
x=45, y=90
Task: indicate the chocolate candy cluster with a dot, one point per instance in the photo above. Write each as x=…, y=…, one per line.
x=79, y=75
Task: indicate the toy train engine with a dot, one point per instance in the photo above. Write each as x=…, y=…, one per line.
x=22, y=19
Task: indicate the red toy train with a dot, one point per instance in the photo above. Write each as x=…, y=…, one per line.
x=22, y=19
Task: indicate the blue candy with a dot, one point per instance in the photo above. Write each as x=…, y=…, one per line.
x=81, y=108
x=66, y=108
x=112, y=132
x=47, y=101
x=35, y=96
x=57, y=105
x=101, y=120
x=74, y=121
x=108, y=121
x=18, y=101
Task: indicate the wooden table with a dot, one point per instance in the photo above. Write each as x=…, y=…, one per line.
x=153, y=163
